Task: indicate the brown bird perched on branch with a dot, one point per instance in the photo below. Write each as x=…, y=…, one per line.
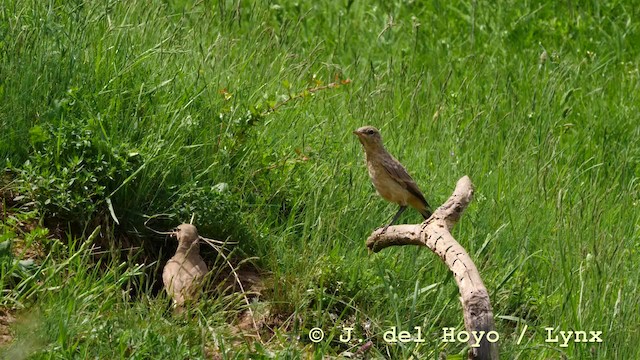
x=183, y=271
x=389, y=177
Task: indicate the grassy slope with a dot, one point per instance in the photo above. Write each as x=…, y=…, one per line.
x=455, y=88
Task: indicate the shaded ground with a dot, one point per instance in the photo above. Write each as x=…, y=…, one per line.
x=229, y=273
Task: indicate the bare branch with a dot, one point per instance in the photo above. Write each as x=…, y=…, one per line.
x=435, y=234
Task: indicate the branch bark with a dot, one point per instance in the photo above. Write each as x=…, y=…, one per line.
x=435, y=234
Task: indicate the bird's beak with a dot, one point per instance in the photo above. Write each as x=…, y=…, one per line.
x=356, y=132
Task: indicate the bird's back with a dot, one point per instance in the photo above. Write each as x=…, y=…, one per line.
x=181, y=274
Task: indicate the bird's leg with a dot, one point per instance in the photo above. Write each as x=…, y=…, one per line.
x=395, y=218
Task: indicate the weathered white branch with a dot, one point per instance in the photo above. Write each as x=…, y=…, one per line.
x=435, y=234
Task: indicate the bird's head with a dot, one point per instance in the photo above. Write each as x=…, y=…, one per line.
x=186, y=234
x=369, y=136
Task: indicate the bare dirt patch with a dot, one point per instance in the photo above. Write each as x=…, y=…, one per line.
x=6, y=319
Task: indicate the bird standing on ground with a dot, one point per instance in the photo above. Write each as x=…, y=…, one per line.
x=183, y=271
x=389, y=177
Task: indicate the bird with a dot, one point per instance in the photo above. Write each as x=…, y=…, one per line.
x=389, y=177
x=186, y=268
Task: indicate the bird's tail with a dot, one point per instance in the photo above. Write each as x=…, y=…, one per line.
x=426, y=213
x=420, y=204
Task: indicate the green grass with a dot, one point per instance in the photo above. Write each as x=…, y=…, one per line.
x=163, y=107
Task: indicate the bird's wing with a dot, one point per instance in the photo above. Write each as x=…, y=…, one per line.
x=402, y=177
x=202, y=267
x=197, y=266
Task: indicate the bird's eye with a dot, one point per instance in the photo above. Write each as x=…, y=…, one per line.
x=370, y=132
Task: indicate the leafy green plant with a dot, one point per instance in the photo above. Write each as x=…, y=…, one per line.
x=215, y=209
x=72, y=170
